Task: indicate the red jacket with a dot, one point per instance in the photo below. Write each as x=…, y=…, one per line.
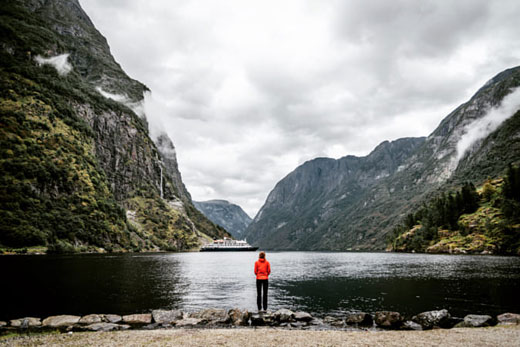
x=262, y=269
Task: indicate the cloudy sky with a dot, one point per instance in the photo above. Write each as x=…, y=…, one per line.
x=249, y=90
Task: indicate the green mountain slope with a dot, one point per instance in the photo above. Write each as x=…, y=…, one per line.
x=79, y=169
x=316, y=208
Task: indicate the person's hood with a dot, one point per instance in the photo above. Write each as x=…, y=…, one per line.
x=261, y=260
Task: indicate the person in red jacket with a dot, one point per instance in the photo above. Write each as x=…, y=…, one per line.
x=262, y=271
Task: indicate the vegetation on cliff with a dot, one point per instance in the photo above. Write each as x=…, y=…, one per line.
x=484, y=220
x=72, y=160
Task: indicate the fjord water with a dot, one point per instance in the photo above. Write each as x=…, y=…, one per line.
x=318, y=282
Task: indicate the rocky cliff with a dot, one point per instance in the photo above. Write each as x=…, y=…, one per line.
x=79, y=168
x=353, y=203
x=229, y=216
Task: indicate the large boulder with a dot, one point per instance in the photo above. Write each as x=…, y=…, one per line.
x=431, y=319
x=302, y=316
x=27, y=322
x=60, y=321
x=2, y=324
x=508, y=319
x=284, y=315
x=260, y=319
x=167, y=317
x=388, y=319
x=106, y=327
x=138, y=319
x=91, y=319
x=212, y=316
x=476, y=321
x=239, y=317
x=113, y=318
x=359, y=318
x=333, y=321
x=410, y=325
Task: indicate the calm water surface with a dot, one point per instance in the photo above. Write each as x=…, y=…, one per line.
x=321, y=283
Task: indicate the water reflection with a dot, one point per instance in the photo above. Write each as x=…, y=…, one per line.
x=322, y=283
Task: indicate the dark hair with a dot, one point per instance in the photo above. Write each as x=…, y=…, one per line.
x=261, y=255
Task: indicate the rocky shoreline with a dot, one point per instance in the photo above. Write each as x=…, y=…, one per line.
x=234, y=318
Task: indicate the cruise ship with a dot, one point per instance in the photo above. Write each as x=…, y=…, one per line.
x=228, y=245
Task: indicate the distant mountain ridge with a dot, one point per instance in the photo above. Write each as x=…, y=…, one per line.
x=353, y=203
x=229, y=216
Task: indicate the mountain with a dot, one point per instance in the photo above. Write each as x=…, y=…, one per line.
x=229, y=216
x=80, y=171
x=353, y=203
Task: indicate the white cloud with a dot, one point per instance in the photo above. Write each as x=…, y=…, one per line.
x=59, y=62
x=248, y=90
x=137, y=107
x=482, y=127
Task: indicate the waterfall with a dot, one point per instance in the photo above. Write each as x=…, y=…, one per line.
x=161, y=181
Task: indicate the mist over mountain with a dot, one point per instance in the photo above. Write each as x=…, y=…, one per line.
x=80, y=171
x=229, y=216
x=353, y=202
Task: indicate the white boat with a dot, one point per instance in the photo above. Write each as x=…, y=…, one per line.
x=228, y=245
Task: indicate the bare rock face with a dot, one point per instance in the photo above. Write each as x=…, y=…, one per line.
x=26, y=322
x=388, y=319
x=410, y=325
x=431, y=319
x=60, y=321
x=360, y=318
x=508, y=319
x=166, y=317
x=144, y=318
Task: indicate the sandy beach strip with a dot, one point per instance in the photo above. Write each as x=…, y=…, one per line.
x=494, y=336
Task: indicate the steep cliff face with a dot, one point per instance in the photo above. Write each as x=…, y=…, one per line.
x=337, y=205
x=75, y=147
x=299, y=210
x=230, y=216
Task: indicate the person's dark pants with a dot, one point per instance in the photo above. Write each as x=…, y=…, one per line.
x=259, y=285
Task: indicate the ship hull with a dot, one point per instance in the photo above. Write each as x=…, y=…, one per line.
x=229, y=249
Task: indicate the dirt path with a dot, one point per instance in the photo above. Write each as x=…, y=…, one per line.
x=496, y=336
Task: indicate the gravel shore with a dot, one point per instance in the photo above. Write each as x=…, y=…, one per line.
x=494, y=336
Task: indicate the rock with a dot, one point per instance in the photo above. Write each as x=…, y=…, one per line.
x=144, y=318
x=152, y=326
x=112, y=318
x=508, y=319
x=284, y=315
x=257, y=320
x=2, y=324
x=410, y=325
x=239, y=317
x=60, y=321
x=431, y=319
x=360, y=318
x=106, y=327
x=302, y=316
x=334, y=321
x=476, y=321
x=388, y=319
x=166, y=317
x=212, y=316
x=188, y=322
x=91, y=319
x=297, y=324
x=26, y=322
